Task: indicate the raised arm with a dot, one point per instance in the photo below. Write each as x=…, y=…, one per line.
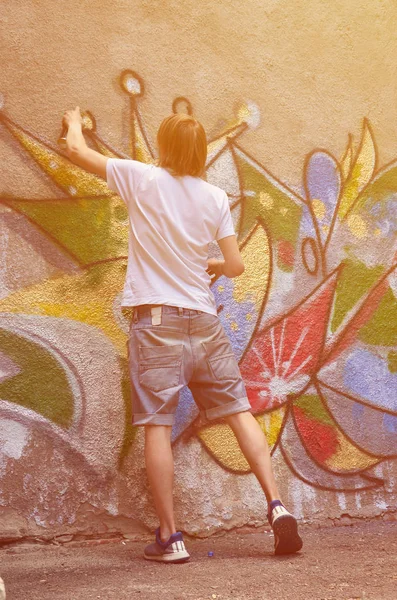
x=232, y=265
x=76, y=148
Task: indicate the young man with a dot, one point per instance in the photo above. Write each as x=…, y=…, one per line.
x=176, y=337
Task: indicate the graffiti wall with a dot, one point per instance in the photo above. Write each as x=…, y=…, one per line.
x=313, y=320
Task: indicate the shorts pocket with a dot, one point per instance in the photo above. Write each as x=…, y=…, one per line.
x=160, y=366
x=222, y=361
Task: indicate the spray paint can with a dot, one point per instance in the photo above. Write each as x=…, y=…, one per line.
x=62, y=137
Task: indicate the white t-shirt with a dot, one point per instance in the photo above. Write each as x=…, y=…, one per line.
x=172, y=220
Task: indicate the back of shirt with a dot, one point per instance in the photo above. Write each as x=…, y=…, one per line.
x=172, y=221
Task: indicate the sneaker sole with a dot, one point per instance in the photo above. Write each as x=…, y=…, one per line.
x=175, y=557
x=287, y=539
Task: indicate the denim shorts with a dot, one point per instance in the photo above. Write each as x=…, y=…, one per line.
x=169, y=348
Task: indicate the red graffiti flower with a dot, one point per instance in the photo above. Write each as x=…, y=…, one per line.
x=283, y=357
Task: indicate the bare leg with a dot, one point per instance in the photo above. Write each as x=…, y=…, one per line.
x=255, y=449
x=160, y=471
x=254, y=446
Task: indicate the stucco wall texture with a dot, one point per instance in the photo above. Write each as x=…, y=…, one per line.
x=299, y=102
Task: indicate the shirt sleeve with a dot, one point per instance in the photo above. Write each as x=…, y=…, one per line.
x=225, y=227
x=123, y=176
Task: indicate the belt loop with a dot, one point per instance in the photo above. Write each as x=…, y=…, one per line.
x=180, y=311
x=135, y=315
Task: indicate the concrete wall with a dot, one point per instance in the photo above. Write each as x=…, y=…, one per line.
x=299, y=101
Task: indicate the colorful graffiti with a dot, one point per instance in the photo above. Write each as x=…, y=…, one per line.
x=313, y=320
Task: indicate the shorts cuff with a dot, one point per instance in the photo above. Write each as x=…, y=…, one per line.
x=231, y=408
x=152, y=419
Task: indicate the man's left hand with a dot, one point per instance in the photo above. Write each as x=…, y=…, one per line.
x=215, y=267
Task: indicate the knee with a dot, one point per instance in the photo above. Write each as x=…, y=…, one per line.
x=238, y=418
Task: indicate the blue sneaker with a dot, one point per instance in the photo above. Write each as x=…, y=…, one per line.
x=171, y=551
x=285, y=527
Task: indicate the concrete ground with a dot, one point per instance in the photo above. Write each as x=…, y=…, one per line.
x=337, y=563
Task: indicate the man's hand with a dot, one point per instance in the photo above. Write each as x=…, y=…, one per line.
x=215, y=267
x=76, y=148
x=232, y=265
x=72, y=117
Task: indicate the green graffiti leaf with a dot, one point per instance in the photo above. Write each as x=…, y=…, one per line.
x=313, y=408
x=381, y=330
x=355, y=280
x=41, y=385
x=90, y=229
x=279, y=209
